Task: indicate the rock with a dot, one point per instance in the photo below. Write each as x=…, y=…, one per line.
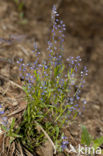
x=46, y=150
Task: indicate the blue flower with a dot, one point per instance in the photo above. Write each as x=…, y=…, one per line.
x=63, y=147
x=64, y=137
x=2, y=112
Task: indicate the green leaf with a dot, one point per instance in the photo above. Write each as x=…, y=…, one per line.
x=12, y=124
x=75, y=115
x=11, y=139
x=4, y=128
x=57, y=132
x=16, y=135
x=97, y=142
x=85, y=136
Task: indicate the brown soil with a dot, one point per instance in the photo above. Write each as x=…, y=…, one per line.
x=84, y=37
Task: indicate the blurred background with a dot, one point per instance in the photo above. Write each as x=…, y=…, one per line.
x=24, y=21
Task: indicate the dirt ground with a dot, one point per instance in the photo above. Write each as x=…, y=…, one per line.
x=84, y=37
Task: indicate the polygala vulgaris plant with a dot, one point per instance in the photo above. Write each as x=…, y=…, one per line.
x=52, y=90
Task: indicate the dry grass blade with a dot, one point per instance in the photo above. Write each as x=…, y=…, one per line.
x=11, y=82
x=12, y=39
x=16, y=112
x=6, y=60
x=24, y=50
x=5, y=91
x=46, y=135
x=15, y=84
x=20, y=150
x=28, y=153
